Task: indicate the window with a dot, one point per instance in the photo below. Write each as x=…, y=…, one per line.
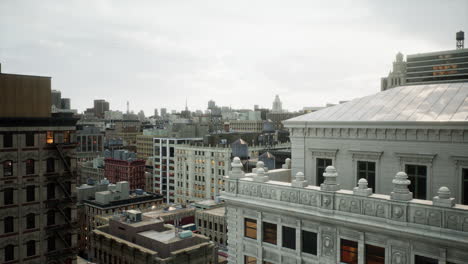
x=221, y=228
x=417, y=174
x=30, y=193
x=211, y=225
x=349, y=251
x=424, y=260
x=50, y=218
x=464, y=186
x=375, y=255
x=66, y=137
x=204, y=223
x=30, y=166
x=309, y=242
x=30, y=221
x=9, y=252
x=50, y=165
x=8, y=224
x=269, y=233
x=30, y=139
x=7, y=168
x=199, y=222
x=289, y=237
x=7, y=140
x=322, y=164
x=31, y=248
x=51, y=243
x=366, y=170
x=250, y=260
x=8, y=196
x=50, y=190
x=50, y=137
x=250, y=228
x=216, y=226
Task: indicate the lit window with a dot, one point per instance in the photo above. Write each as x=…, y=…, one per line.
x=8, y=168
x=50, y=137
x=269, y=233
x=250, y=228
x=349, y=251
x=250, y=260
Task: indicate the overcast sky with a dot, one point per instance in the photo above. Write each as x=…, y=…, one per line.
x=239, y=53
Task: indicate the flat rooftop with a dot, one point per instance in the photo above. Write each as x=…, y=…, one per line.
x=167, y=236
x=219, y=211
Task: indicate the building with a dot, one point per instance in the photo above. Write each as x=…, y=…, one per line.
x=278, y=118
x=246, y=126
x=421, y=130
x=164, y=165
x=289, y=221
x=101, y=200
x=122, y=165
x=277, y=105
x=90, y=143
x=136, y=239
x=100, y=107
x=65, y=103
x=56, y=98
x=91, y=171
x=211, y=222
x=428, y=68
x=127, y=130
x=113, y=115
x=37, y=174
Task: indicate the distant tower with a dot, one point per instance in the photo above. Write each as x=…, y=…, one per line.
x=128, y=107
x=277, y=105
x=460, y=39
x=186, y=107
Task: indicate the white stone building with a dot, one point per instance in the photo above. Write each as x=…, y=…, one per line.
x=422, y=130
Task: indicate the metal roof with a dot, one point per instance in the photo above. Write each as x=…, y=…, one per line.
x=415, y=103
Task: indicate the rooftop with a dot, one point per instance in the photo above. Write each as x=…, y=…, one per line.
x=219, y=211
x=434, y=103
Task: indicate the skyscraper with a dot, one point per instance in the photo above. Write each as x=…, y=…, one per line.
x=277, y=105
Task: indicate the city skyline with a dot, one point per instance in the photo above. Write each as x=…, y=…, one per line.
x=157, y=55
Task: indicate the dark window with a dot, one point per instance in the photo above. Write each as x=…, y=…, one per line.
x=250, y=228
x=50, y=218
x=250, y=260
x=68, y=213
x=8, y=196
x=30, y=193
x=322, y=164
x=211, y=225
x=309, y=242
x=424, y=260
x=51, y=243
x=8, y=224
x=199, y=223
x=30, y=139
x=8, y=168
x=366, y=170
x=7, y=140
x=216, y=226
x=50, y=190
x=204, y=223
x=349, y=251
x=30, y=221
x=221, y=228
x=50, y=165
x=31, y=248
x=9, y=252
x=68, y=240
x=269, y=233
x=30, y=166
x=375, y=255
x=465, y=186
x=417, y=174
x=289, y=237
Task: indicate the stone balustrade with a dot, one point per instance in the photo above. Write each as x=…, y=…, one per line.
x=398, y=208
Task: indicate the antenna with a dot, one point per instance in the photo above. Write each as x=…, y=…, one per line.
x=128, y=107
x=460, y=36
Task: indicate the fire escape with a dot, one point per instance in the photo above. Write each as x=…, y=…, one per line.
x=62, y=202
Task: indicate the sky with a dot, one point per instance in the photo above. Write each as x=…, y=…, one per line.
x=239, y=53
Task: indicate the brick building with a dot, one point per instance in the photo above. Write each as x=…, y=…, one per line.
x=131, y=170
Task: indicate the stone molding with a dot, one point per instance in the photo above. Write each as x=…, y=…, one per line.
x=365, y=155
x=391, y=134
x=319, y=152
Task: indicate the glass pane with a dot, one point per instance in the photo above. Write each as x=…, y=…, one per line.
x=375, y=255
x=309, y=242
x=349, y=251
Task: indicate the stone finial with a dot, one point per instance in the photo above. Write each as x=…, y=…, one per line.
x=443, y=198
x=299, y=181
x=236, y=171
x=330, y=183
x=260, y=164
x=287, y=164
x=400, y=188
x=260, y=176
x=362, y=189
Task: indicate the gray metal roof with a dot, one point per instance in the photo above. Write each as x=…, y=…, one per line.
x=415, y=103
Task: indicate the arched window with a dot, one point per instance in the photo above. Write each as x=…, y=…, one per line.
x=9, y=252
x=30, y=166
x=31, y=248
x=30, y=221
x=8, y=224
x=50, y=165
x=7, y=168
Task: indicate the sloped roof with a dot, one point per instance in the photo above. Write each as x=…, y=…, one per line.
x=415, y=103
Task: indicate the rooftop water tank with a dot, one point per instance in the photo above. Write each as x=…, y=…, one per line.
x=240, y=149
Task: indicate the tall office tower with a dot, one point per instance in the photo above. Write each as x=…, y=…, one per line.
x=100, y=107
x=56, y=98
x=163, y=112
x=37, y=174
x=277, y=105
x=65, y=103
